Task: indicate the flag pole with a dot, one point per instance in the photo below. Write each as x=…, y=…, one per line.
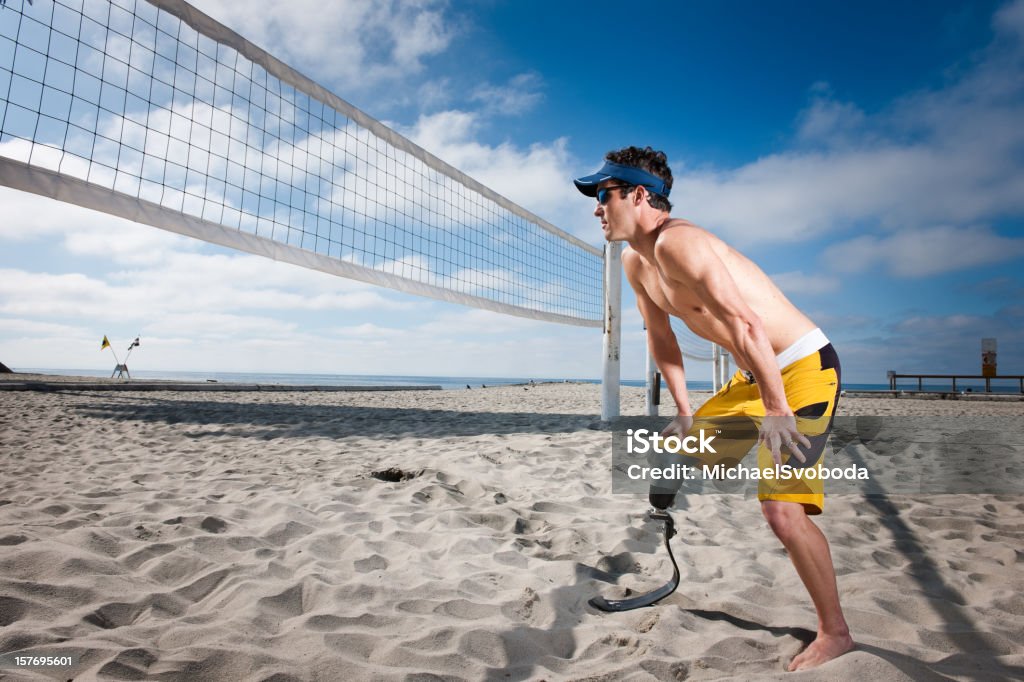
x=134, y=344
x=107, y=344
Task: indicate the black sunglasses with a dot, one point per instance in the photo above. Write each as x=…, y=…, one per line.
x=602, y=194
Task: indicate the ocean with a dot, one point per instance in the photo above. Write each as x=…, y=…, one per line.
x=445, y=382
x=452, y=383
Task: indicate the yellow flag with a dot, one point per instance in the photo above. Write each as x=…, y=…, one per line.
x=106, y=343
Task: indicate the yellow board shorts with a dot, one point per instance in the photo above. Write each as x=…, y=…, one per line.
x=812, y=386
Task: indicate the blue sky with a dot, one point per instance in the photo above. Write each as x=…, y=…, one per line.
x=869, y=157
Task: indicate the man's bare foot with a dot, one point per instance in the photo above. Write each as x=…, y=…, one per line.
x=823, y=648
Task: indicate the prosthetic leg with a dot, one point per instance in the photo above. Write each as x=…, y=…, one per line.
x=661, y=496
x=654, y=596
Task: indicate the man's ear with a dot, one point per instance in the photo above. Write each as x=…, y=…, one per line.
x=639, y=195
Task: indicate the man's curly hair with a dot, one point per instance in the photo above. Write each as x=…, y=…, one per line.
x=654, y=162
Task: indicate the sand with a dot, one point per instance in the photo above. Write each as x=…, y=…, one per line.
x=452, y=535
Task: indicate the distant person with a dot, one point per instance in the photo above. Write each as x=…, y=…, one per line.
x=789, y=368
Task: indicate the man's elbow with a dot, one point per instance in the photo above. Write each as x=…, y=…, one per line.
x=749, y=329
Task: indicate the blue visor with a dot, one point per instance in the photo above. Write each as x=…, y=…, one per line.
x=628, y=174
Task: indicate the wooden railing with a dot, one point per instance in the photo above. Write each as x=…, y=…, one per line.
x=893, y=377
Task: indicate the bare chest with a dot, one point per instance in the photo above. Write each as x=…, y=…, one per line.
x=676, y=299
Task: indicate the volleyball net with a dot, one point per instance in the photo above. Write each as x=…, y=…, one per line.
x=153, y=111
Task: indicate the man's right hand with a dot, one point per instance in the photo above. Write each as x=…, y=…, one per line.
x=678, y=427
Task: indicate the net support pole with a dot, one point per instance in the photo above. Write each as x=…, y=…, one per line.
x=653, y=383
x=723, y=362
x=612, y=330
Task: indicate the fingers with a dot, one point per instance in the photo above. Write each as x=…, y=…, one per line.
x=797, y=437
x=677, y=427
x=792, y=447
x=774, y=442
x=791, y=439
x=771, y=441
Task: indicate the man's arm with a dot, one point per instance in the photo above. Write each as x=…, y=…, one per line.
x=660, y=338
x=696, y=266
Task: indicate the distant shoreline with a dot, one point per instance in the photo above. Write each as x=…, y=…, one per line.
x=446, y=382
x=240, y=382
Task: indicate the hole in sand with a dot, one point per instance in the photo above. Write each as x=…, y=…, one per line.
x=395, y=475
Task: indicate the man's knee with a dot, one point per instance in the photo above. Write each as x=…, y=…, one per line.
x=785, y=518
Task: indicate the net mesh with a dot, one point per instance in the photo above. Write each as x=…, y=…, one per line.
x=154, y=111
x=691, y=345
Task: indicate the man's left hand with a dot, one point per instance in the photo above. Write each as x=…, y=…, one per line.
x=780, y=431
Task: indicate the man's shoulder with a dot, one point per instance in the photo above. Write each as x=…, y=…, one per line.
x=631, y=259
x=681, y=239
x=680, y=228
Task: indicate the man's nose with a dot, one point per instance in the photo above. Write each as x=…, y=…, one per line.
x=599, y=210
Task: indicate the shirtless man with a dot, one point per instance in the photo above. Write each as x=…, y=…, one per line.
x=789, y=369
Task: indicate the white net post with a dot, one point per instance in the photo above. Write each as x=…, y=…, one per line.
x=692, y=348
x=612, y=330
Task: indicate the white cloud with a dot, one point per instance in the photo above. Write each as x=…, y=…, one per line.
x=212, y=326
x=913, y=341
x=997, y=289
x=948, y=156
x=354, y=43
x=829, y=121
x=470, y=323
x=930, y=325
x=83, y=231
x=434, y=94
x=368, y=331
x=71, y=295
x=444, y=129
x=187, y=284
x=535, y=177
x=520, y=94
x=937, y=344
x=14, y=327
x=123, y=241
x=237, y=343
x=1009, y=20
x=924, y=252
